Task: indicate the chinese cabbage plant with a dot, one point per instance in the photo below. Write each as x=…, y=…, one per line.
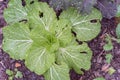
x=46, y=43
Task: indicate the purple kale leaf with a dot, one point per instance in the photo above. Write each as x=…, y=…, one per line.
x=83, y=6
x=107, y=7
x=87, y=5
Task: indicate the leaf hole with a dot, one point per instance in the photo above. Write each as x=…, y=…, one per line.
x=58, y=12
x=31, y=2
x=55, y=32
x=24, y=20
x=63, y=28
x=74, y=33
x=39, y=0
x=79, y=42
x=93, y=21
x=40, y=14
x=23, y=3
x=30, y=28
x=83, y=52
x=83, y=70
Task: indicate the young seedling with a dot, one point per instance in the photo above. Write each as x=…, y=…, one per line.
x=108, y=46
x=11, y=74
x=111, y=70
x=108, y=58
x=18, y=74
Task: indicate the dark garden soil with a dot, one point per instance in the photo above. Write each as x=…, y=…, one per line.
x=99, y=67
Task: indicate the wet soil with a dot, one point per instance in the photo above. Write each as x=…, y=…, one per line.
x=99, y=66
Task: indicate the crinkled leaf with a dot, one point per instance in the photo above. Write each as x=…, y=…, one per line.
x=57, y=72
x=76, y=56
x=83, y=25
x=15, y=12
x=39, y=59
x=16, y=40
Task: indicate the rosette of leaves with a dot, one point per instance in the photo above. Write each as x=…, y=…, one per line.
x=47, y=45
